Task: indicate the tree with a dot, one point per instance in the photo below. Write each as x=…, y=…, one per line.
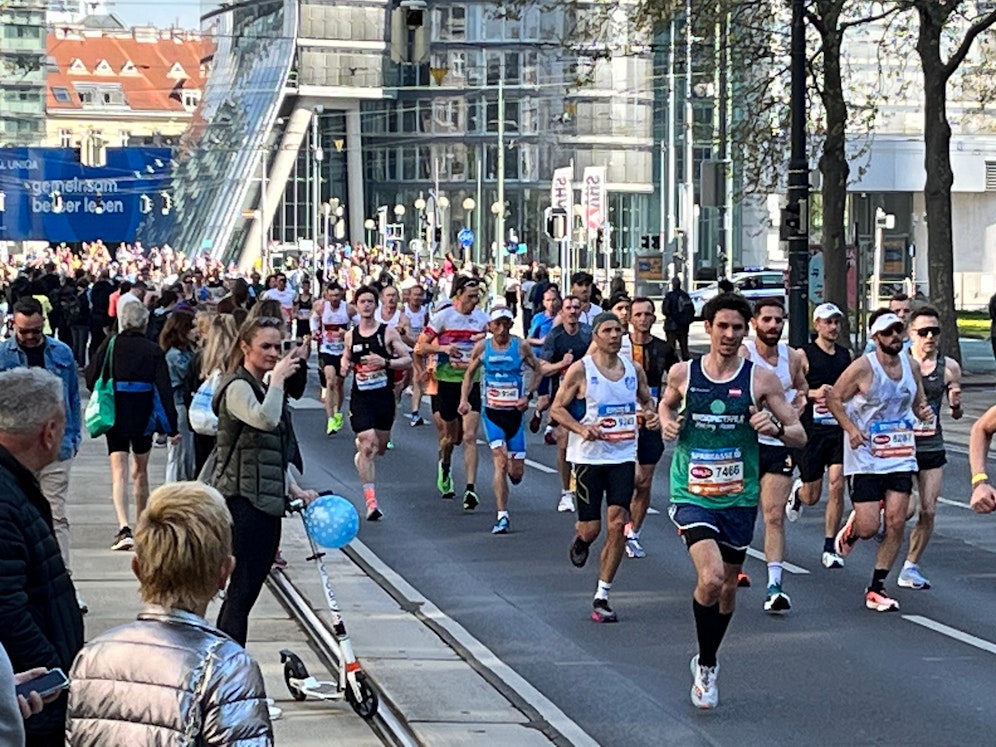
x=940, y=24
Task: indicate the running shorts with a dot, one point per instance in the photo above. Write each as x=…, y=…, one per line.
x=730, y=528
x=505, y=428
x=824, y=449
x=871, y=488
x=774, y=460
x=371, y=410
x=649, y=447
x=930, y=460
x=446, y=400
x=593, y=482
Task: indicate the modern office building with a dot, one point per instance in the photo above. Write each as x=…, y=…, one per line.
x=22, y=72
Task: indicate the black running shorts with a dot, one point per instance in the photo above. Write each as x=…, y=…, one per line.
x=775, y=460
x=613, y=482
x=824, y=448
x=871, y=488
x=371, y=410
x=446, y=401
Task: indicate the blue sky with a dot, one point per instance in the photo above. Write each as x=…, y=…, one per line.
x=162, y=13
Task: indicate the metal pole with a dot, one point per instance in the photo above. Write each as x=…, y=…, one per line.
x=500, y=217
x=798, y=185
x=264, y=260
x=316, y=160
x=691, y=234
x=672, y=166
x=478, y=235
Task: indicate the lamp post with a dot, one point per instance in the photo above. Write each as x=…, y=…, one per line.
x=399, y=227
x=468, y=210
x=420, y=224
x=442, y=205
x=369, y=224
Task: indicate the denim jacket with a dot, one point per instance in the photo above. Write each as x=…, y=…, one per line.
x=59, y=361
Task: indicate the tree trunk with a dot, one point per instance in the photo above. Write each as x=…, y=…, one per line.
x=835, y=171
x=940, y=177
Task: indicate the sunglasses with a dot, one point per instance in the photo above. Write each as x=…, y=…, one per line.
x=269, y=321
x=924, y=331
x=895, y=329
x=35, y=331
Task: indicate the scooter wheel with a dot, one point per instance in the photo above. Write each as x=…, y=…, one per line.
x=366, y=705
x=294, y=668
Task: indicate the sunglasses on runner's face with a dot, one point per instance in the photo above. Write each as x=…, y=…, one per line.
x=924, y=331
x=269, y=321
x=895, y=329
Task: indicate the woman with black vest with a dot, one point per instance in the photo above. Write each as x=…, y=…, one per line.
x=256, y=445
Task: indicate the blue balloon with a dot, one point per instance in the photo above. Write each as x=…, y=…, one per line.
x=331, y=521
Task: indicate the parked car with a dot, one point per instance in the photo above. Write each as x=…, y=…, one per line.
x=753, y=284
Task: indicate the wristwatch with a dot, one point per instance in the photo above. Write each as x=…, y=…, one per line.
x=779, y=425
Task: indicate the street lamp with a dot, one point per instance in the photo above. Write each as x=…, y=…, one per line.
x=369, y=224
x=399, y=211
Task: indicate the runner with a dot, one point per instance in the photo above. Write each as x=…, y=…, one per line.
x=655, y=357
x=581, y=283
x=712, y=406
x=303, y=305
x=388, y=312
x=876, y=401
x=983, y=499
x=371, y=349
x=329, y=322
x=539, y=328
x=900, y=305
x=823, y=362
x=563, y=345
x=776, y=464
x=506, y=398
x=941, y=376
x=413, y=322
x=609, y=395
x=450, y=336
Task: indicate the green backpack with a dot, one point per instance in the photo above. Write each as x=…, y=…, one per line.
x=99, y=413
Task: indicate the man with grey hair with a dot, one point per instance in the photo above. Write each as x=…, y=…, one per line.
x=133, y=297
x=40, y=622
x=31, y=347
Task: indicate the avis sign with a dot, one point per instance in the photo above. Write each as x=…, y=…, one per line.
x=593, y=198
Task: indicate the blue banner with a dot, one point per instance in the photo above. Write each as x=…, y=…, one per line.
x=51, y=196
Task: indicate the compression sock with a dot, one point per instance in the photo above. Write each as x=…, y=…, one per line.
x=774, y=574
x=878, y=579
x=446, y=469
x=710, y=626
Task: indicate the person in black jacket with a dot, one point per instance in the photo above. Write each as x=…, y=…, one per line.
x=40, y=622
x=143, y=405
x=100, y=298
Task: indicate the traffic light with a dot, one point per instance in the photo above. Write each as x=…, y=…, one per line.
x=556, y=223
x=791, y=221
x=655, y=241
x=437, y=234
x=414, y=13
x=645, y=242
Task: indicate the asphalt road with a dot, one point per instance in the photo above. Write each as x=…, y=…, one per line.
x=828, y=672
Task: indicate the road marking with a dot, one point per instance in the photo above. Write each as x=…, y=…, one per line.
x=949, y=502
x=560, y=721
x=529, y=462
x=950, y=632
x=790, y=567
x=306, y=403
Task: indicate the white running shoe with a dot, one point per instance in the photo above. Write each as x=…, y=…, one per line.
x=566, y=505
x=793, y=509
x=634, y=549
x=705, y=691
x=832, y=560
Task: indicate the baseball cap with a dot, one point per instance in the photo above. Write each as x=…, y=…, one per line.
x=826, y=311
x=501, y=312
x=619, y=297
x=461, y=282
x=883, y=323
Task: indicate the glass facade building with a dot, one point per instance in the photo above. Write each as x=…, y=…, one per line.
x=22, y=72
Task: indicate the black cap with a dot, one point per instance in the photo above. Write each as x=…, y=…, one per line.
x=618, y=297
x=582, y=278
x=461, y=282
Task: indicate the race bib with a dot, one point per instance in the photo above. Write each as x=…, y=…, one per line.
x=333, y=343
x=713, y=472
x=502, y=395
x=617, y=422
x=367, y=380
x=464, y=350
x=925, y=428
x=822, y=414
x=892, y=438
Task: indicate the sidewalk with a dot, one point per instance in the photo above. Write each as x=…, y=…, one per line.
x=442, y=697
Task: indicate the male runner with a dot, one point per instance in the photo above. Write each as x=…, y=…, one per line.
x=655, y=357
x=564, y=344
x=581, y=283
x=876, y=401
x=539, y=328
x=330, y=320
x=900, y=305
x=602, y=397
x=776, y=464
x=371, y=349
x=450, y=336
x=713, y=406
x=506, y=397
x=413, y=322
x=983, y=499
x=941, y=376
x=823, y=362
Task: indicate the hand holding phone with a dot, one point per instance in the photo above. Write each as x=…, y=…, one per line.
x=46, y=684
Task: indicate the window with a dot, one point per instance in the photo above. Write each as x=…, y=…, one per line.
x=61, y=94
x=124, y=137
x=65, y=138
x=86, y=96
x=191, y=99
x=451, y=23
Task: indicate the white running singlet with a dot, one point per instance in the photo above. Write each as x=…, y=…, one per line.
x=611, y=405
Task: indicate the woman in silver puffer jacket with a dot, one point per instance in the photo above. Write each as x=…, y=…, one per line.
x=172, y=678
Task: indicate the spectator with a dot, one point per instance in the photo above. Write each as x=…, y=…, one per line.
x=135, y=294
x=29, y=348
x=256, y=445
x=177, y=341
x=100, y=296
x=171, y=677
x=143, y=405
x=216, y=344
x=525, y=287
x=14, y=708
x=679, y=312
x=40, y=622
x=80, y=320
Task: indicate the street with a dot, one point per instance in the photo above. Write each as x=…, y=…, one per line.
x=828, y=671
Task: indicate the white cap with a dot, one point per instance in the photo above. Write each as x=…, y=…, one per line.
x=883, y=322
x=501, y=312
x=826, y=311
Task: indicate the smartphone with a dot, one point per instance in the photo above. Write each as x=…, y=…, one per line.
x=49, y=683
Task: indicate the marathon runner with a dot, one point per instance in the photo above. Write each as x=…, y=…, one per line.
x=900, y=305
x=655, y=357
x=599, y=402
x=372, y=348
x=539, y=328
x=713, y=407
x=304, y=302
x=450, y=336
x=563, y=345
x=330, y=320
x=940, y=376
x=876, y=401
x=581, y=284
x=823, y=361
x=413, y=321
x=983, y=499
x=767, y=352
x=506, y=397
